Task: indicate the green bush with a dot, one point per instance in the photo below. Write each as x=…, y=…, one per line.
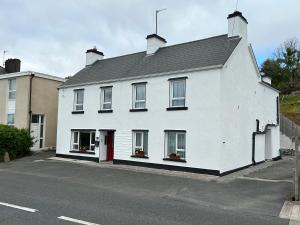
x=17, y=142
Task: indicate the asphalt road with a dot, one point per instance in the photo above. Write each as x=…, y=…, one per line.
x=117, y=197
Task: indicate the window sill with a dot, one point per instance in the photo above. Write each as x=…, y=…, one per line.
x=78, y=112
x=88, y=153
x=177, y=108
x=136, y=156
x=138, y=110
x=105, y=111
x=175, y=160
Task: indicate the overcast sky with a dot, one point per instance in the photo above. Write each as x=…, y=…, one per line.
x=52, y=36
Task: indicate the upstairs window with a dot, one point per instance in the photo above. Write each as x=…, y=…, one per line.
x=177, y=92
x=175, y=145
x=78, y=99
x=106, y=98
x=140, y=143
x=12, y=89
x=83, y=141
x=139, y=96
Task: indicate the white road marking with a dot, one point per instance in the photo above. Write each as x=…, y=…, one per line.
x=18, y=207
x=76, y=221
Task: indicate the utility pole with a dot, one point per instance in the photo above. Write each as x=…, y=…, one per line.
x=156, y=13
x=296, y=179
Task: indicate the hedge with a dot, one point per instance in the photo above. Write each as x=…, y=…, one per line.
x=17, y=142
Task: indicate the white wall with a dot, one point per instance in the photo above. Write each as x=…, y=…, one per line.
x=244, y=100
x=201, y=121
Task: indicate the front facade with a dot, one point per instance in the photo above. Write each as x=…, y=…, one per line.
x=200, y=106
x=29, y=100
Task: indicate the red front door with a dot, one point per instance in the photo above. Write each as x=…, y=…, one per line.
x=110, y=146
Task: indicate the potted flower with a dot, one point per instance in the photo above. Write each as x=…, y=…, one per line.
x=174, y=156
x=139, y=153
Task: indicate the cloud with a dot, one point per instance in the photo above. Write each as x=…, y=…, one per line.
x=52, y=36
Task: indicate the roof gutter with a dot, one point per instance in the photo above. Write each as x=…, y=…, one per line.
x=144, y=76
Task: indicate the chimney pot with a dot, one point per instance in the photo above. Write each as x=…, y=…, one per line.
x=13, y=65
x=92, y=55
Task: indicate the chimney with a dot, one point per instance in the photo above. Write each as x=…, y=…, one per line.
x=237, y=25
x=154, y=42
x=13, y=65
x=92, y=55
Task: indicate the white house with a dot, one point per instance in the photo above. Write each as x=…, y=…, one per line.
x=200, y=106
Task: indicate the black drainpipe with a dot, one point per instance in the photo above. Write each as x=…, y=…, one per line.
x=256, y=133
x=30, y=94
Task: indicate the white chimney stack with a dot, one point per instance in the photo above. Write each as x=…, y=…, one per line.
x=92, y=55
x=237, y=25
x=154, y=42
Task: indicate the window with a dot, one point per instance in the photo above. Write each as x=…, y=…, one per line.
x=139, y=96
x=140, y=143
x=78, y=100
x=83, y=141
x=10, y=119
x=177, y=93
x=12, y=89
x=106, y=98
x=175, y=145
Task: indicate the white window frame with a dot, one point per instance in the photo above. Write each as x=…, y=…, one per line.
x=12, y=90
x=177, y=150
x=77, y=143
x=134, y=100
x=76, y=100
x=171, y=94
x=102, y=102
x=135, y=147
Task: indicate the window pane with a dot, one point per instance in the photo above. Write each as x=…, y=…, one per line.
x=12, y=95
x=12, y=84
x=107, y=94
x=146, y=143
x=84, y=140
x=41, y=143
x=171, y=143
x=180, y=141
x=79, y=107
x=140, y=105
x=178, y=88
x=140, y=92
x=79, y=97
x=11, y=119
x=34, y=119
x=178, y=102
x=107, y=106
x=138, y=139
x=75, y=147
x=75, y=137
x=93, y=138
x=42, y=130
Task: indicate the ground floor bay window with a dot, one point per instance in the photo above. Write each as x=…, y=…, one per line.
x=83, y=141
x=175, y=145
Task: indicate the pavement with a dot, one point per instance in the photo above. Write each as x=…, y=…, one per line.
x=40, y=189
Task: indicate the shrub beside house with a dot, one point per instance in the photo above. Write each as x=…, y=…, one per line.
x=16, y=142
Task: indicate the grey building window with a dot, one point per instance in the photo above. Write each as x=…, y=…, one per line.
x=177, y=92
x=106, y=98
x=175, y=145
x=139, y=96
x=140, y=143
x=12, y=89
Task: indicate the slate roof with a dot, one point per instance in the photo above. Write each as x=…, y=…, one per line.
x=2, y=70
x=191, y=55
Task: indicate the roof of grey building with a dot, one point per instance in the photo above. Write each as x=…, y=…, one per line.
x=191, y=55
x=2, y=70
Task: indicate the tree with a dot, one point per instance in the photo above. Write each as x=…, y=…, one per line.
x=284, y=67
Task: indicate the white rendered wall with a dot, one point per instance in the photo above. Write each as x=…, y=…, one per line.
x=201, y=121
x=244, y=100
